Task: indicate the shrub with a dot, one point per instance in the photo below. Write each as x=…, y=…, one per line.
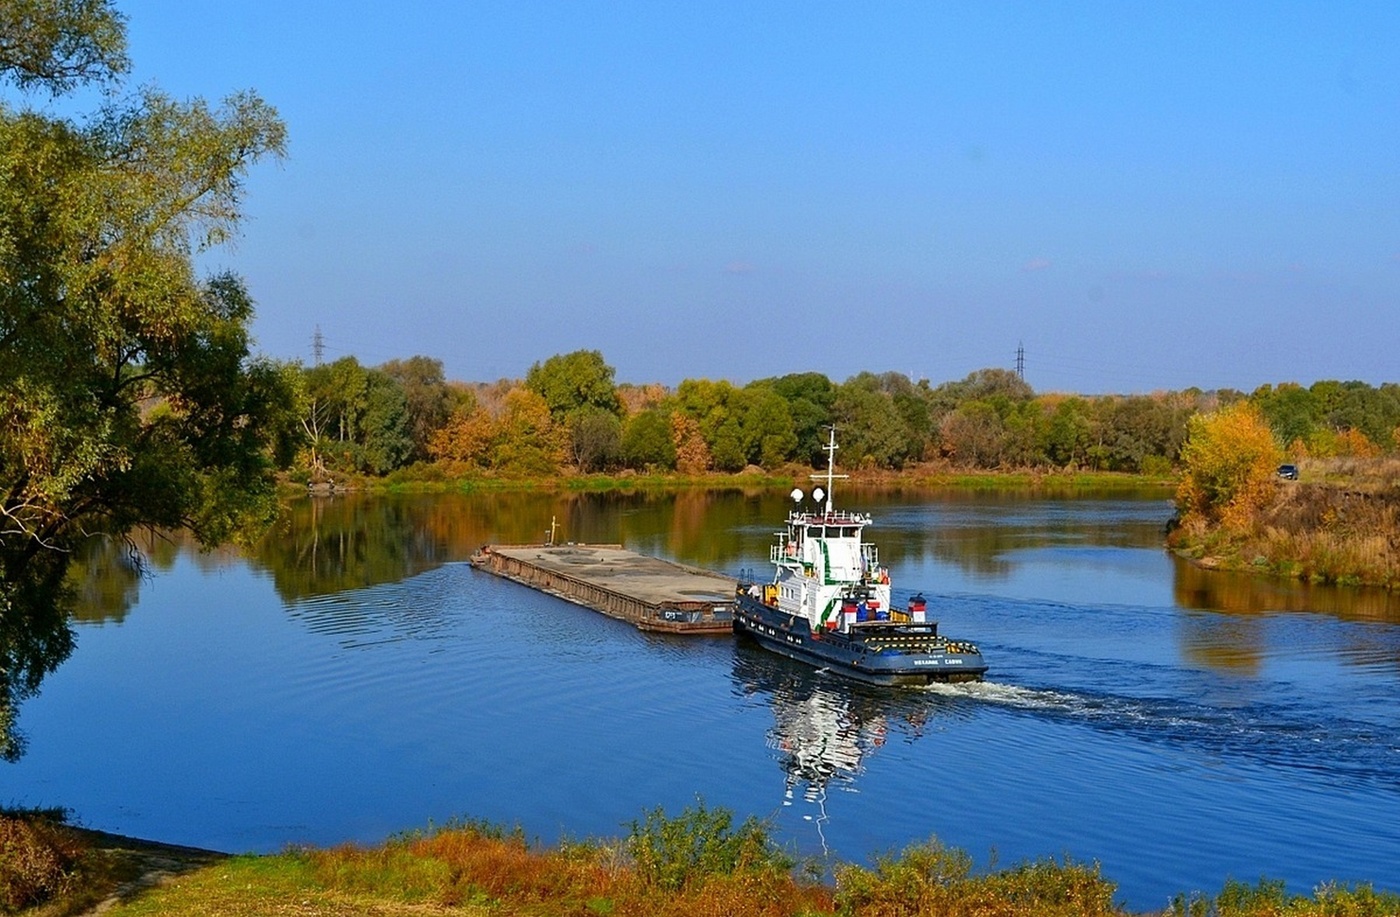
x=37, y=859
x=674, y=853
x=932, y=879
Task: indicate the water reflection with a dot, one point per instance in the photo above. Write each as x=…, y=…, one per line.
x=106, y=579
x=824, y=729
x=1244, y=593
x=1244, y=629
x=323, y=548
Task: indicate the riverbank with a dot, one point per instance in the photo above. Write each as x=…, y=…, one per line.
x=1339, y=524
x=433, y=478
x=698, y=863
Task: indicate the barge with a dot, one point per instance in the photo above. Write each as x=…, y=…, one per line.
x=654, y=594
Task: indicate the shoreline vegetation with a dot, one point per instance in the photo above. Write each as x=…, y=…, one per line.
x=428, y=478
x=1339, y=524
x=697, y=864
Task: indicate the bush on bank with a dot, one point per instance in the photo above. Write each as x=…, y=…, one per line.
x=697, y=864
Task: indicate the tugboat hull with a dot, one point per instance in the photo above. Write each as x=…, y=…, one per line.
x=880, y=653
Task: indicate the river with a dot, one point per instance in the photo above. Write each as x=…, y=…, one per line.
x=351, y=677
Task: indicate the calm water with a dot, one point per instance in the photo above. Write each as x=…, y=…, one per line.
x=353, y=678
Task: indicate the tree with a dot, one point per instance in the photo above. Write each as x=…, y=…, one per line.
x=810, y=397
x=58, y=45
x=1135, y=428
x=1292, y=411
x=973, y=435
x=1230, y=459
x=692, y=453
x=646, y=441
x=469, y=436
x=384, y=435
x=1068, y=433
x=571, y=382
x=127, y=387
x=428, y=398
x=595, y=439
x=768, y=427
x=530, y=443
x=873, y=431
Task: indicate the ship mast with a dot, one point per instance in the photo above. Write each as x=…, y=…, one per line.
x=831, y=475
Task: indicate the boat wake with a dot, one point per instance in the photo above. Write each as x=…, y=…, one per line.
x=1000, y=693
x=1270, y=733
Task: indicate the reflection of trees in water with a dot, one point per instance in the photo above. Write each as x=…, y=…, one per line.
x=1245, y=593
x=1235, y=637
x=351, y=541
x=35, y=636
x=323, y=546
x=105, y=577
x=976, y=531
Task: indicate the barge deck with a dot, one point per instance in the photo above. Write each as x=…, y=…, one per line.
x=653, y=594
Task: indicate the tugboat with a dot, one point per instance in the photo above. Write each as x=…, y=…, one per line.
x=829, y=604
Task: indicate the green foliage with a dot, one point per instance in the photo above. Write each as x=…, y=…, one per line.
x=429, y=401
x=646, y=441
x=809, y=397
x=1270, y=898
x=738, y=426
x=58, y=45
x=355, y=419
x=129, y=393
x=574, y=381
x=901, y=880
x=933, y=879
x=874, y=432
x=675, y=853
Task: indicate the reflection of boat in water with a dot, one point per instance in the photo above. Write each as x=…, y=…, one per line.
x=824, y=729
x=821, y=738
x=829, y=604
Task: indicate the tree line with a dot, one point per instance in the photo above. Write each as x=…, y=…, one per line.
x=130, y=395
x=568, y=414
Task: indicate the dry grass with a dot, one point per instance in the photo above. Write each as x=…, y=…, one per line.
x=473, y=871
x=1339, y=524
x=38, y=859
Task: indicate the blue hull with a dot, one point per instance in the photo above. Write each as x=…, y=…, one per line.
x=878, y=653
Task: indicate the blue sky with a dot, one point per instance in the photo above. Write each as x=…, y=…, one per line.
x=1143, y=196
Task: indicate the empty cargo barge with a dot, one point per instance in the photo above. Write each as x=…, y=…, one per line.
x=651, y=593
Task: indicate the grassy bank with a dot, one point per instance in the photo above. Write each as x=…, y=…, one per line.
x=698, y=864
x=1340, y=523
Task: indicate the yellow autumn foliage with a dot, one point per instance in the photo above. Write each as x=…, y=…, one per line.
x=1230, y=459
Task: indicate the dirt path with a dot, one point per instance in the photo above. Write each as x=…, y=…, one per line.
x=142, y=864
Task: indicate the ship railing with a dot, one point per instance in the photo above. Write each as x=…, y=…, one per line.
x=785, y=553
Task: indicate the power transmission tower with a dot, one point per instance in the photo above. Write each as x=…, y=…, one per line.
x=318, y=347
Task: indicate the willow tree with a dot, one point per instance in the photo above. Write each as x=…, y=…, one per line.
x=128, y=395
